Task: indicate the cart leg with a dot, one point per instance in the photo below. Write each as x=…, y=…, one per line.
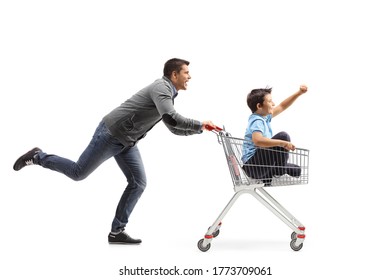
x=204, y=244
x=269, y=202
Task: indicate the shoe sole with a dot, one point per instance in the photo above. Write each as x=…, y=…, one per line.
x=123, y=243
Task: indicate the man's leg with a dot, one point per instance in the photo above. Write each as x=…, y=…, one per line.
x=102, y=147
x=131, y=164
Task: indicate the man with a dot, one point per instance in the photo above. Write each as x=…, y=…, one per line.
x=117, y=136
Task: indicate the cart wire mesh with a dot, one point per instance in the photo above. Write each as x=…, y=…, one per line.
x=274, y=166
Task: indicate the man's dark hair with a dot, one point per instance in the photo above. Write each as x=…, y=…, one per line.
x=256, y=96
x=174, y=65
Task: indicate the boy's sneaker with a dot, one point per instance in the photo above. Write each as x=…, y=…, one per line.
x=122, y=238
x=267, y=182
x=28, y=158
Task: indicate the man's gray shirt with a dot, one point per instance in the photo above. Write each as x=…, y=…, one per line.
x=136, y=116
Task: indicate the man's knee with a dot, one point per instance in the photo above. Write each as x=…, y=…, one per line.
x=79, y=176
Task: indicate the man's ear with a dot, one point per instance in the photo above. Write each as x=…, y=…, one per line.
x=258, y=106
x=173, y=75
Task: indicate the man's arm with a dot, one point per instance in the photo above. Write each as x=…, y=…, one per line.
x=176, y=123
x=288, y=101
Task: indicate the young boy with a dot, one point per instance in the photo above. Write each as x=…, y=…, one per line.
x=271, y=160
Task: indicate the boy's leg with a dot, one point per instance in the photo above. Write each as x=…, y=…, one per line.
x=101, y=147
x=130, y=162
x=280, y=156
x=260, y=165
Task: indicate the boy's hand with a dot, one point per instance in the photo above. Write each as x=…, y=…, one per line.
x=289, y=146
x=303, y=88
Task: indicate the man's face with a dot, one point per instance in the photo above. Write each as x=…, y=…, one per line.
x=179, y=80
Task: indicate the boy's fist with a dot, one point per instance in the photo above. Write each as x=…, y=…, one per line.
x=303, y=88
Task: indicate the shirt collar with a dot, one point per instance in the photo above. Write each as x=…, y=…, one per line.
x=174, y=91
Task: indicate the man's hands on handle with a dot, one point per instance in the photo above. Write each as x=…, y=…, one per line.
x=208, y=125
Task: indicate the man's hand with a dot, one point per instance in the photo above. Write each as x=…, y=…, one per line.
x=209, y=123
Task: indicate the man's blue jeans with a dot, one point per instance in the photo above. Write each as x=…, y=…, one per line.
x=102, y=147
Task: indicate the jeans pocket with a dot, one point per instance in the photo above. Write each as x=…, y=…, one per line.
x=109, y=138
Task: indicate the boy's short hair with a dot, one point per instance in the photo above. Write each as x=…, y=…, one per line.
x=256, y=96
x=172, y=65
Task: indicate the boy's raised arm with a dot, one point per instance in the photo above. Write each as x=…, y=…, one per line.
x=288, y=101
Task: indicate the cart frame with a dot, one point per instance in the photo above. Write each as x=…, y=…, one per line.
x=243, y=184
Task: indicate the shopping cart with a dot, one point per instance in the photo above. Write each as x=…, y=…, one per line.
x=274, y=167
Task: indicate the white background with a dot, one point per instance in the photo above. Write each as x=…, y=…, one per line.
x=65, y=64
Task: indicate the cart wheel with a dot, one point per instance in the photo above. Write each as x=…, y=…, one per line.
x=201, y=247
x=293, y=235
x=295, y=247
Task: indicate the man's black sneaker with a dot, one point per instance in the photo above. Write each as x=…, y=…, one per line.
x=122, y=238
x=26, y=159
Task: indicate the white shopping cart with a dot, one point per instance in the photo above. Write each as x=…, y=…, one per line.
x=274, y=167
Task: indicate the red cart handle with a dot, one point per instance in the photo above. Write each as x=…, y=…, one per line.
x=210, y=128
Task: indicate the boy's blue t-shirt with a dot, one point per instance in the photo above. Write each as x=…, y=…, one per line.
x=256, y=123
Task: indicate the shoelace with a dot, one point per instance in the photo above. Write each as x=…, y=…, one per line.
x=29, y=162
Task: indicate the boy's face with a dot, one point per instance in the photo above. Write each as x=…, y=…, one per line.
x=267, y=107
